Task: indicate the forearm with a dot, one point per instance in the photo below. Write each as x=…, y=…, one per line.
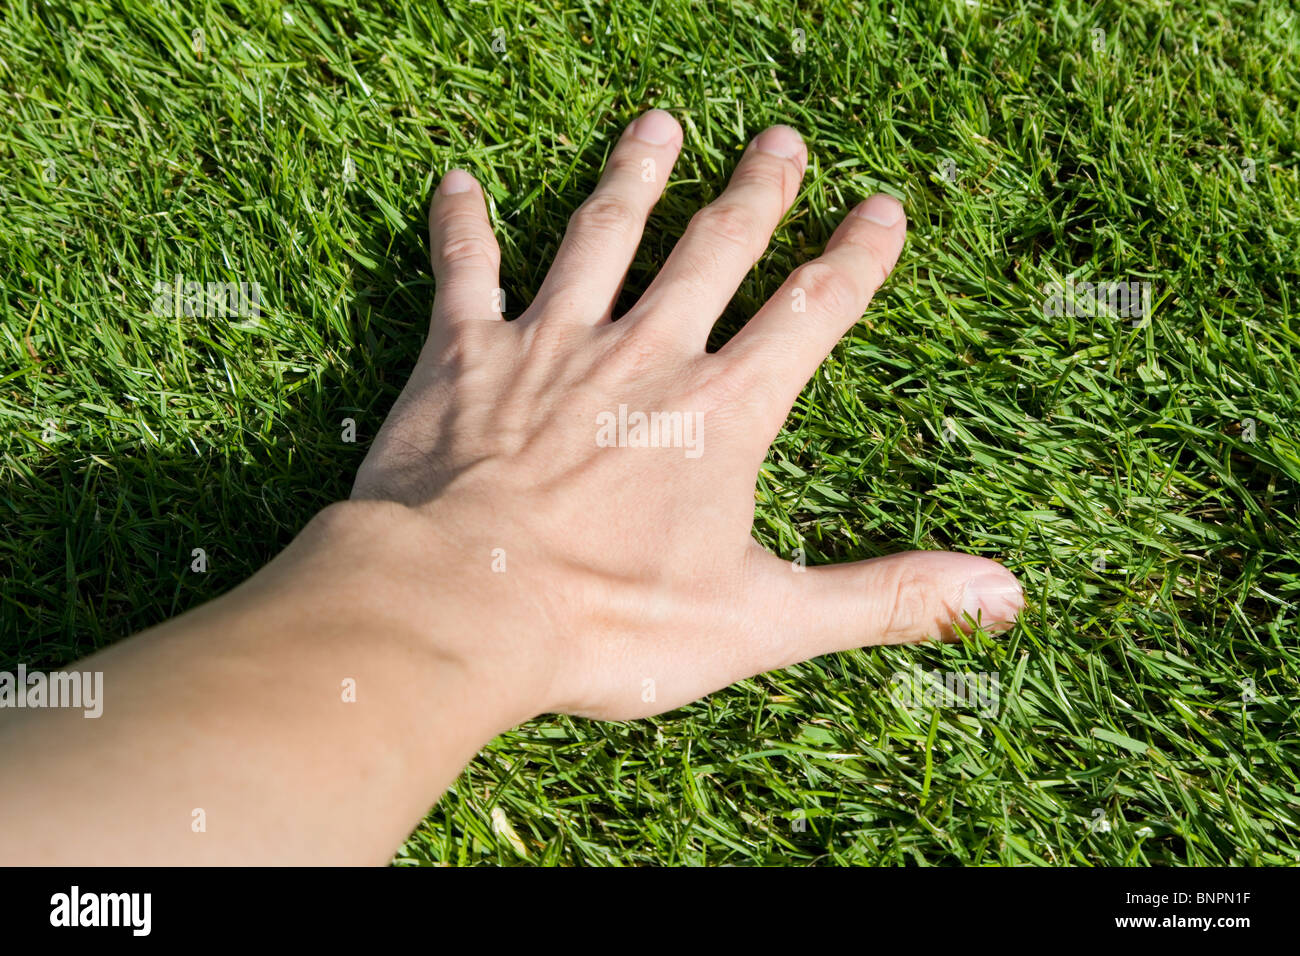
x=311, y=715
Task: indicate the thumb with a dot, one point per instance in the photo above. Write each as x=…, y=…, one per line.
x=901, y=598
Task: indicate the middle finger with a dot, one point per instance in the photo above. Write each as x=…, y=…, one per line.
x=726, y=237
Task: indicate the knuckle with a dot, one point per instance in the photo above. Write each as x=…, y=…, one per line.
x=640, y=348
x=725, y=223
x=769, y=171
x=908, y=613
x=548, y=339
x=468, y=245
x=626, y=163
x=605, y=214
x=729, y=388
x=459, y=339
x=828, y=289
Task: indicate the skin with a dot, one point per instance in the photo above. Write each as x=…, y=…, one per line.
x=496, y=561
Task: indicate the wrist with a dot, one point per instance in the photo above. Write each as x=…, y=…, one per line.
x=403, y=577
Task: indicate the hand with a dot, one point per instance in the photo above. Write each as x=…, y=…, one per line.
x=615, y=561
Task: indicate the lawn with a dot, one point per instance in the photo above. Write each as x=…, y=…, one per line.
x=1140, y=473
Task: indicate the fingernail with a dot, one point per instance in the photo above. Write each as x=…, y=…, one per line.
x=456, y=181
x=881, y=209
x=781, y=141
x=994, y=600
x=655, y=128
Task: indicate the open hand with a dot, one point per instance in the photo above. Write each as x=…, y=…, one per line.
x=595, y=479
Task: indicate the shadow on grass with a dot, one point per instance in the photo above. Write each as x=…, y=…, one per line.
x=100, y=543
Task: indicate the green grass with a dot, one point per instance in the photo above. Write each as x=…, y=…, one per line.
x=1156, y=687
